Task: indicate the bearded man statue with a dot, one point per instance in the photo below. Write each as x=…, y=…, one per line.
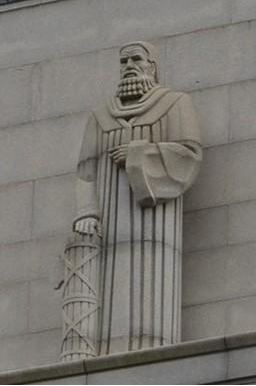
x=139, y=154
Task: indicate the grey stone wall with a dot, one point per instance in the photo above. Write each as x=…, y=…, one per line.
x=57, y=61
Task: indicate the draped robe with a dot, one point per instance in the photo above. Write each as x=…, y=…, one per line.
x=140, y=208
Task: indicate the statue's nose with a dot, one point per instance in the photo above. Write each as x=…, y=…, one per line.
x=129, y=63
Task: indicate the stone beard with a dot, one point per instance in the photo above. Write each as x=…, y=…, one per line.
x=134, y=87
x=139, y=206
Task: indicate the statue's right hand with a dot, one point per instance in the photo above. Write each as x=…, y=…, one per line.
x=88, y=226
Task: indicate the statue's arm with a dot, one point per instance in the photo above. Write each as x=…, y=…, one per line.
x=87, y=218
x=161, y=171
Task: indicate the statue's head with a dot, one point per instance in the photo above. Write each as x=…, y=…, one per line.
x=138, y=70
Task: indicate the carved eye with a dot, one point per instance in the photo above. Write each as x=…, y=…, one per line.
x=136, y=58
x=123, y=60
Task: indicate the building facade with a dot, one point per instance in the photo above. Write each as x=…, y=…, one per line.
x=54, y=58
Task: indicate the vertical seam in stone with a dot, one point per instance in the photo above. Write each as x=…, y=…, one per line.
x=163, y=277
x=131, y=265
x=104, y=250
x=141, y=269
x=32, y=209
x=161, y=130
x=131, y=270
x=153, y=275
x=173, y=269
x=101, y=262
x=142, y=278
x=229, y=112
x=114, y=256
x=151, y=134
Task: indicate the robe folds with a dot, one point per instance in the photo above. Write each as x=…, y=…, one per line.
x=140, y=208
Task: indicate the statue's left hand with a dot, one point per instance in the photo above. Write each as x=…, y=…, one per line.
x=119, y=154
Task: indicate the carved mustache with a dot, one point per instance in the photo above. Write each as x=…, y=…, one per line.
x=131, y=72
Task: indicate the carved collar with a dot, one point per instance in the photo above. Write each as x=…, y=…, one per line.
x=118, y=110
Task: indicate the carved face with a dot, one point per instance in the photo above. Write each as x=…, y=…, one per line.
x=134, y=62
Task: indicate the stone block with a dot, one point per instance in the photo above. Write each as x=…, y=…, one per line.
x=241, y=315
x=243, y=10
x=227, y=176
x=67, y=85
x=50, y=31
x=123, y=21
x=191, y=65
x=209, y=189
x=195, y=370
x=204, y=277
x=242, y=111
x=203, y=321
x=240, y=268
x=15, y=95
x=41, y=149
x=31, y=260
x=205, y=229
x=45, y=306
x=241, y=363
x=213, y=111
x=241, y=181
x=40, y=349
x=14, y=309
x=242, y=222
x=219, y=274
x=15, y=212
x=54, y=205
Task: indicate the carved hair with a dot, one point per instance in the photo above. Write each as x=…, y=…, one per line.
x=153, y=56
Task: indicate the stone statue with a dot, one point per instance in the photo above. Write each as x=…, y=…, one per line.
x=139, y=154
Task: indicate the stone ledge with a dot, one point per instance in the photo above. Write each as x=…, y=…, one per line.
x=123, y=360
x=25, y=4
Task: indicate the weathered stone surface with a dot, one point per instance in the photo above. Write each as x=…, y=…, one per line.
x=241, y=363
x=241, y=184
x=210, y=189
x=41, y=348
x=14, y=309
x=54, y=81
x=77, y=380
x=15, y=95
x=241, y=315
x=219, y=274
x=204, y=277
x=31, y=260
x=40, y=149
x=123, y=20
x=200, y=369
x=50, y=31
x=15, y=212
x=213, y=111
x=241, y=265
x=203, y=321
x=225, y=177
x=243, y=10
x=242, y=222
x=54, y=205
x=45, y=306
x=242, y=111
x=205, y=229
x=192, y=65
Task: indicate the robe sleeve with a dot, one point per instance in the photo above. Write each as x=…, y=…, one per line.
x=158, y=172
x=86, y=185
